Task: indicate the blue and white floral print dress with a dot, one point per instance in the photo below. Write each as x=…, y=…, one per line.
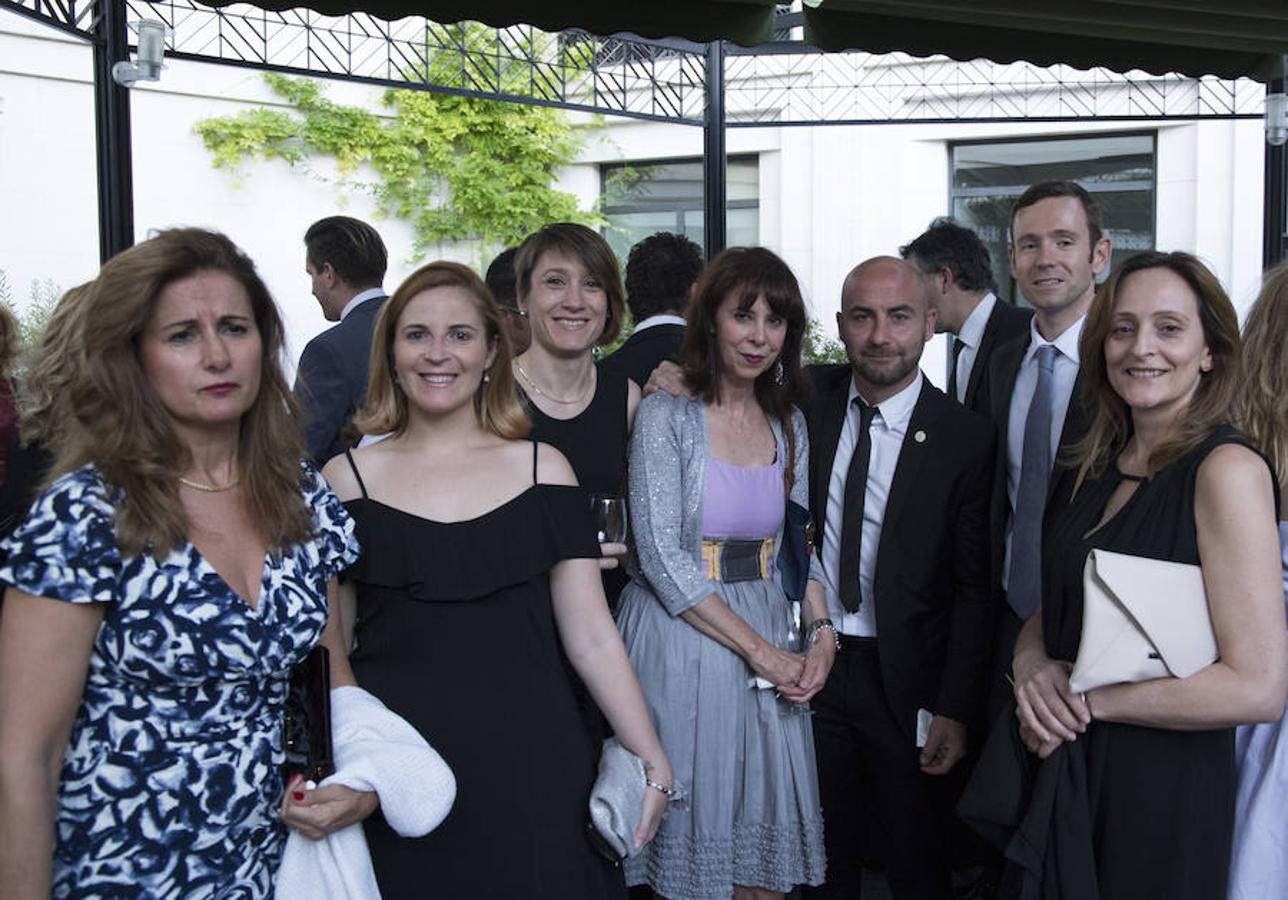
x=171, y=783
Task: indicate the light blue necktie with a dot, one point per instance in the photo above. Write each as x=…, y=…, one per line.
x=1024, y=589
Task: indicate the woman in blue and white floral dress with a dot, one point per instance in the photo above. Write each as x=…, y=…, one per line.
x=192, y=555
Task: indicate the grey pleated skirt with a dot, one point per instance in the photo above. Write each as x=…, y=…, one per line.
x=745, y=757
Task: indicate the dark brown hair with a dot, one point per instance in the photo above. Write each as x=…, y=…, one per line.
x=748, y=273
x=496, y=402
x=586, y=245
x=117, y=422
x=352, y=247
x=1108, y=415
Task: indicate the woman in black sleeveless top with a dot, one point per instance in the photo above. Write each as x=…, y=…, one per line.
x=475, y=591
x=1134, y=796
x=569, y=287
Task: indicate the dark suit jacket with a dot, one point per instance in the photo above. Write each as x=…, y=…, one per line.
x=1005, y=323
x=995, y=400
x=331, y=381
x=640, y=354
x=935, y=610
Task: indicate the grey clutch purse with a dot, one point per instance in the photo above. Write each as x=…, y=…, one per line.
x=617, y=800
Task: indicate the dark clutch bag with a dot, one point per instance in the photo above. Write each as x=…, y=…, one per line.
x=306, y=729
x=797, y=548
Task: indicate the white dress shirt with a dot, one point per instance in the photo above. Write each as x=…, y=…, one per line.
x=889, y=425
x=971, y=335
x=1026, y=382
x=360, y=297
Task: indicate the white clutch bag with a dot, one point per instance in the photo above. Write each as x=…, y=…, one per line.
x=1141, y=619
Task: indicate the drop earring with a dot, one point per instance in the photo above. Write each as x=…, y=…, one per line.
x=779, y=375
x=486, y=377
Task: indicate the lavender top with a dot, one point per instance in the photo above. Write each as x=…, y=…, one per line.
x=743, y=501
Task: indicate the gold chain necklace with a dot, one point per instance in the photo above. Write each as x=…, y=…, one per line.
x=552, y=399
x=208, y=488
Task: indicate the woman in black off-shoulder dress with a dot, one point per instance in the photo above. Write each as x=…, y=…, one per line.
x=478, y=566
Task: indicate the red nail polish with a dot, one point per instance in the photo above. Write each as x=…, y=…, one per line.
x=298, y=795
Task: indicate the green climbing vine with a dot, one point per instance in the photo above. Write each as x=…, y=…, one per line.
x=455, y=168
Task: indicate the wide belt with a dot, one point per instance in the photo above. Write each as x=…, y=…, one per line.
x=730, y=561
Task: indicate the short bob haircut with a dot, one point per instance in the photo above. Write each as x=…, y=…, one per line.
x=586, y=245
x=747, y=274
x=1108, y=414
x=116, y=421
x=1261, y=407
x=496, y=402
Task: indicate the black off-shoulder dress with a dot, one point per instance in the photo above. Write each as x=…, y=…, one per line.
x=456, y=634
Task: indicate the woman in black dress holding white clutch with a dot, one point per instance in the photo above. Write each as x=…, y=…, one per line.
x=1141, y=776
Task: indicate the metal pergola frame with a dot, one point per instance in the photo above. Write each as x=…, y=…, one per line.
x=670, y=80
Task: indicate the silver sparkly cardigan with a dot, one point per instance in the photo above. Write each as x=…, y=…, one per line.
x=668, y=474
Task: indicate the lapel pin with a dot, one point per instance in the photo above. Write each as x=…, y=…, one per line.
x=920, y=436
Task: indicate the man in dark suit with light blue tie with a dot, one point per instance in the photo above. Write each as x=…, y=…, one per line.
x=900, y=479
x=1031, y=392
x=957, y=274
x=345, y=260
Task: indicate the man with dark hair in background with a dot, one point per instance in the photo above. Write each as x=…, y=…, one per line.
x=957, y=274
x=500, y=280
x=659, y=273
x=346, y=261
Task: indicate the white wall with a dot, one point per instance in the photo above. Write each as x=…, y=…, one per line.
x=829, y=196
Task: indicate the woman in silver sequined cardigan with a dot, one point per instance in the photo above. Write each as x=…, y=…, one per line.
x=705, y=619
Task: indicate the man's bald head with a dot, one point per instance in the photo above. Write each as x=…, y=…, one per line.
x=886, y=276
x=884, y=322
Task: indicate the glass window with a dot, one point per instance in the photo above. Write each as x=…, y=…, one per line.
x=1117, y=169
x=640, y=199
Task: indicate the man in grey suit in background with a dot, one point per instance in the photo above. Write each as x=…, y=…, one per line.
x=957, y=275
x=346, y=260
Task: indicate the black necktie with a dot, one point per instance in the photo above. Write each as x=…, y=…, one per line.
x=958, y=346
x=856, y=488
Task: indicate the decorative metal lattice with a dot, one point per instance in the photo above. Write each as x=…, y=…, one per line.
x=783, y=83
x=571, y=69
x=813, y=88
x=77, y=16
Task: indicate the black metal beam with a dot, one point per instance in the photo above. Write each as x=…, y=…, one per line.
x=112, y=133
x=1275, y=205
x=715, y=169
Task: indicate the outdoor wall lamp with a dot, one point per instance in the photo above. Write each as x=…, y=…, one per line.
x=1276, y=119
x=147, y=61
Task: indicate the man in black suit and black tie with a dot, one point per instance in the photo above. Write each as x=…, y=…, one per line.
x=1031, y=391
x=659, y=273
x=958, y=278
x=900, y=479
x=346, y=260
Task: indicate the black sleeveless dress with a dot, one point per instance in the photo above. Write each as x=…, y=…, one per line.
x=456, y=634
x=595, y=443
x=1159, y=803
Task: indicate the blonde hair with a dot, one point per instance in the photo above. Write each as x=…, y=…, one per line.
x=1261, y=405
x=496, y=402
x=42, y=395
x=115, y=420
x=1109, y=418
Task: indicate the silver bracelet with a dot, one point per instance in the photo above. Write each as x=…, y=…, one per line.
x=671, y=793
x=812, y=630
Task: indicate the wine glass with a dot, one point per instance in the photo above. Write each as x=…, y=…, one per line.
x=610, y=518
